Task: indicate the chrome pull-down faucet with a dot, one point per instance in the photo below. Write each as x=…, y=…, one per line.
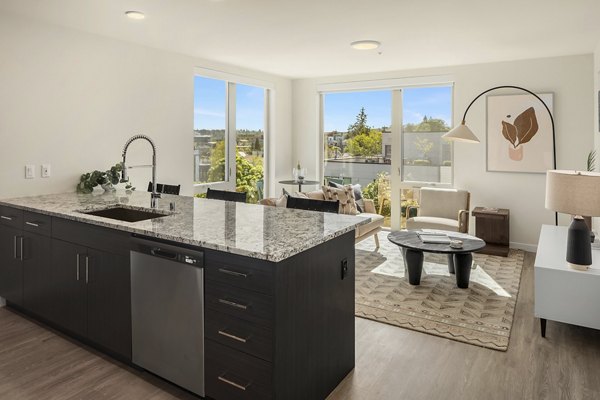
x=125, y=178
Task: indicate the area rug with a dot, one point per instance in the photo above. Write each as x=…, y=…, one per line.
x=481, y=315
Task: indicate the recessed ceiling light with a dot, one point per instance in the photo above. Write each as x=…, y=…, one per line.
x=365, y=44
x=135, y=14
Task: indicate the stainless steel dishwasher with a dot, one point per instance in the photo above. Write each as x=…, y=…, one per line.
x=167, y=311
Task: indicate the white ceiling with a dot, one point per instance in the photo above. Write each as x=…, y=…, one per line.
x=307, y=38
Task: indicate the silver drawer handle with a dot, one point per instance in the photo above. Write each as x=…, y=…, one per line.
x=233, y=304
x=6, y=218
x=232, y=383
x=230, y=336
x=233, y=273
x=32, y=224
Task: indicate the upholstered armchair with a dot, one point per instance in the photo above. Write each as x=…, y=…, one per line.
x=445, y=209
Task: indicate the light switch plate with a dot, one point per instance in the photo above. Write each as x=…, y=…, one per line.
x=46, y=170
x=29, y=171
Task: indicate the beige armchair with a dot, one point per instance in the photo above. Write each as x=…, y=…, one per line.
x=445, y=209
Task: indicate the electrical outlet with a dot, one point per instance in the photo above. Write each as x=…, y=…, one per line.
x=46, y=170
x=344, y=268
x=29, y=171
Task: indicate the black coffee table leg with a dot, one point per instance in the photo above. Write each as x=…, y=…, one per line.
x=451, y=263
x=462, y=266
x=414, y=264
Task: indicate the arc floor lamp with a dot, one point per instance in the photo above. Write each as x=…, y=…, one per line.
x=462, y=133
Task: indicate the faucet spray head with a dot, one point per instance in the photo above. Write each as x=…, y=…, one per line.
x=124, y=176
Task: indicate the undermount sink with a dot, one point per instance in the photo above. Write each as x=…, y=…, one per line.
x=126, y=214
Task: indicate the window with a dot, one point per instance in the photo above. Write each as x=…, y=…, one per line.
x=229, y=135
x=426, y=117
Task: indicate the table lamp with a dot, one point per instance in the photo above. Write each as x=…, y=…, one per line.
x=576, y=193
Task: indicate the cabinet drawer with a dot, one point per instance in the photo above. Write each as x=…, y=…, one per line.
x=240, y=272
x=233, y=375
x=37, y=223
x=239, y=334
x=11, y=217
x=240, y=303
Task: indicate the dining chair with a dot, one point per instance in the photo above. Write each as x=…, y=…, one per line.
x=313, y=205
x=166, y=189
x=239, y=197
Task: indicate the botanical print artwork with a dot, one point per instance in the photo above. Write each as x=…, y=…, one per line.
x=519, y=134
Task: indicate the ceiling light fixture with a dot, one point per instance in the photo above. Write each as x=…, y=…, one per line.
x=135, y=15
x=365, y=44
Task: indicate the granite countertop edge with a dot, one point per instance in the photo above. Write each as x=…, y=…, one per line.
x=273, y=256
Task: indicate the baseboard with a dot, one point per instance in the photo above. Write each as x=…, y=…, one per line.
x=524, y=246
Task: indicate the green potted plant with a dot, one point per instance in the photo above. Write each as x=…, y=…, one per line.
x=105, y=179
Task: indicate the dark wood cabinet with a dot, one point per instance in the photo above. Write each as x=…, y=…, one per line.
x=70, y=311
x=38, y=289
x=72, y=275
x=493, y=226
x=109, y=301
x=94, y=295
x=11, y=270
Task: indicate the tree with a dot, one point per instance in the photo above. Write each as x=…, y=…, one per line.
x=359, y=126
x=365, y=144
x=256, y=146
x=248, y=171
x=428, y=125
x=216, y=173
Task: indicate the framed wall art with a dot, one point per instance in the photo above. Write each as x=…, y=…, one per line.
x=519, y=133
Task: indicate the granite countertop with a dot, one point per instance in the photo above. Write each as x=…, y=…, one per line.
x=268, y=233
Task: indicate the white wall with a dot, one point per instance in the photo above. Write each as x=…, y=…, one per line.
x=569, y=78
x=72, y=99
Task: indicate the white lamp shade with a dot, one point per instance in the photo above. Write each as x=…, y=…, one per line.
x=573, y=192
x=461, y=133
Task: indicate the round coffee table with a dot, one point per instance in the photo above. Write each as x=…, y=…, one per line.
x=459, y=260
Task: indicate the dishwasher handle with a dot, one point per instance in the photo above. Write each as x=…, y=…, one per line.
x=157, y=252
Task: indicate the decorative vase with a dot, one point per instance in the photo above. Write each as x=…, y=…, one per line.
x=515, y=154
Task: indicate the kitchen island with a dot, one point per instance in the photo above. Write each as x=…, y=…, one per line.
x=278, y=284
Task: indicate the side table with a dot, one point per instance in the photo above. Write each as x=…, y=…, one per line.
x=563, y=294
x=493, y=226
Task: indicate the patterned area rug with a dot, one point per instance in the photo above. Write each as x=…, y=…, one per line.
x=481, y=315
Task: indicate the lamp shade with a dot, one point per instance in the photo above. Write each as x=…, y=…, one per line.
x=573, y=192
x=461, y=133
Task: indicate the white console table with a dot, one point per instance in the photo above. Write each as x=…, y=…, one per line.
x=563, y=294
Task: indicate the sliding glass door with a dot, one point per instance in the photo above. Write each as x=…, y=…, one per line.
x=390, y=142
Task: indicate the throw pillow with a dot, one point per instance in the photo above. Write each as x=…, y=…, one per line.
x=360, y=202
x=345, y=196
x=281, y=201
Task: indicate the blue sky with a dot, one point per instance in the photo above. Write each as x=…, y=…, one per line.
x=209, y=105
x=341, y=108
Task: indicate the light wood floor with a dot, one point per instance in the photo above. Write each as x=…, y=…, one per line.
x=391, y=363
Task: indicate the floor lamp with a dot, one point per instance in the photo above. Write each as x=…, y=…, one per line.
x=462, y=133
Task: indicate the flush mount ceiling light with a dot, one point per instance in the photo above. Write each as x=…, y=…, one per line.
x=365, y=44
x=135, y=15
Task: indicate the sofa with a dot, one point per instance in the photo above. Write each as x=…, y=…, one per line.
x=361, y=233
